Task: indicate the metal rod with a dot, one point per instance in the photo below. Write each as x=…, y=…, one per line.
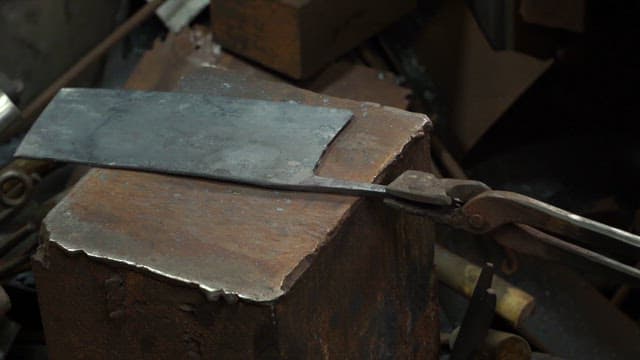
x=477, y=318
x=633, y=273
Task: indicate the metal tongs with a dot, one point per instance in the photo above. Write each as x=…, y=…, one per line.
x=472, y=206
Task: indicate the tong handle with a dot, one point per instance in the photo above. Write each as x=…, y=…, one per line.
x=492, y=209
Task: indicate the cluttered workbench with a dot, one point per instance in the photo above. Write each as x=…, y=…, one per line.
x=259, y=189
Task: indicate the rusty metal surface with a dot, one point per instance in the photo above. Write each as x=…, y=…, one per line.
x=112, y=312
x=349, y=304
x=422, y=187
x=298, y=39
x=250, y=255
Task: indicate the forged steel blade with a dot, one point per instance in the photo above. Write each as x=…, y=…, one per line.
x=268, y=144
x=229, y=139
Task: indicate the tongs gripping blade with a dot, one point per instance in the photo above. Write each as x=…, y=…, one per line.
x=472, y=206
x=425, y=188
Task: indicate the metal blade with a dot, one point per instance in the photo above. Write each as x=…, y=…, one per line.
x=229, y=139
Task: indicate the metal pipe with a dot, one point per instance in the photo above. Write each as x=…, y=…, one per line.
x=512, y=303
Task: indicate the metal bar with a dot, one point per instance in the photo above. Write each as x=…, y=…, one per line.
x=477, y=318
x=630, y=272
x=498, y=208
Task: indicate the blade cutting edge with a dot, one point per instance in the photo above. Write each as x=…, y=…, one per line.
x=220, y=138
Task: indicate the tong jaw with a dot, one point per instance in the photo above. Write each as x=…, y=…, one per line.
x=423, y=187
x=472, y=206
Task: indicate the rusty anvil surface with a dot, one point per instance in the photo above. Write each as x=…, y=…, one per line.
x=120, y=270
